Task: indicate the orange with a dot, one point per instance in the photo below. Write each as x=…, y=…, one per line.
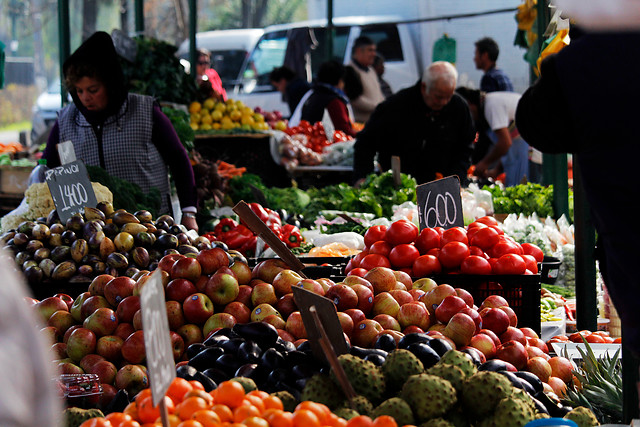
x=360, y=421
x=196, y=384
x=178, y=388
x=255, y=422
x=245, y=411
x=117, y=418
x=224, y=412
x=384, y=421
x=141, y=395
x=96, y=422
x=132, y=409
x=280, y=419
x=173, y=421
x=305, y=418
x=186, y=408
x=190, y=423
x=272, y=402
x=207, y=418
x=230, y=393
x=255, y=401
x=200, y=393
x=322, y=411
x=261, y=394
x=148, y=413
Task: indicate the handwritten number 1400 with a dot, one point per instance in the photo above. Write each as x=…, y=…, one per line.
x=74, y=194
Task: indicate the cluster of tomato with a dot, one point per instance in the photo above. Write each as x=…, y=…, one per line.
x=480, y=248
x=316, y=136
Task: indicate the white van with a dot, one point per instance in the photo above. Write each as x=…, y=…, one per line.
x=302, y=47
x=229, y=51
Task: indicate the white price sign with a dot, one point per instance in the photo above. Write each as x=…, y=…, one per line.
x=155, y=325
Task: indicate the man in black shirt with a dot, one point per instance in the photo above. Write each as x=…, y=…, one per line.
x=427, y=125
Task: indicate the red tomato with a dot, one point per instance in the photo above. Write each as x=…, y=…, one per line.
x=374, y=260
x=473, y=229
x=510, y=264
x=452, y=254
x=474, y=250
x=381, y=248
x=535, y=251
x=505, y=245
x=426, y=265
x=485, y=238
x=440, y=230
x=401, y=231
x=434, y=251
x=358, y=272
x=373, y=234
x=358, y=257
x=531, y=263
x=488, y=220
x=403, y=255
x=427, y=239
x=474, y=264
x=454, y=234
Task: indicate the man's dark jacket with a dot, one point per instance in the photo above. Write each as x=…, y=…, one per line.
x=428, y=142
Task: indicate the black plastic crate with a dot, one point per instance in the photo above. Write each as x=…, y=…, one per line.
x=522, y=292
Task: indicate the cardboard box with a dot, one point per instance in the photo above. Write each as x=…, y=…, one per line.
x=13, y=179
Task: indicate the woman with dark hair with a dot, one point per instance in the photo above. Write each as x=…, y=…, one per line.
x=124, y=133
x=327, y=99
x=207, y=78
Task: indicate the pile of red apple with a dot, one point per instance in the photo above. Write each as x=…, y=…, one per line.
x=100, y=331
x=480, y=248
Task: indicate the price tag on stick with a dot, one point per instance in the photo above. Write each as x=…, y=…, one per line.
x=440, y=203
x=70, y=189
x=326, y=312
x=395, y=171
x=157, y=341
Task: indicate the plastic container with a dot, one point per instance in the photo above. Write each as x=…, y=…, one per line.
x=548, y=422
x=39, y=173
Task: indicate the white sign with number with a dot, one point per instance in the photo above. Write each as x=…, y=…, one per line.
x=157, y=342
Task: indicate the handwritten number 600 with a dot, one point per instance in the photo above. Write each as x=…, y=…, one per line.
x=439, y=215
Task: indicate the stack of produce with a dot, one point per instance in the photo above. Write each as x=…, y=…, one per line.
x=481, y=248
x=220, y=117
x=308, y=144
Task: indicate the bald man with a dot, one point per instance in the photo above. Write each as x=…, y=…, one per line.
x=427, y=125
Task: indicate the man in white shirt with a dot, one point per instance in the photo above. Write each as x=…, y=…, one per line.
x=494, y=113
x=370, y=95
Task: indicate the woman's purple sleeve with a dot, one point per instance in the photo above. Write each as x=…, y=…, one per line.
x=176, y=157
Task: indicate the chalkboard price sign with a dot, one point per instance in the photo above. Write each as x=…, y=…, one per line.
x=70, y=189
x=157, y=341
x=440, y=204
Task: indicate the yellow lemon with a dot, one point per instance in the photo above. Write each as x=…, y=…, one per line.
x=195, y=107
x=216, y=126
x=194, y=126
x=235, y=115
x=196, y=117
x=239, y=104
x=221, y=106
x=246, y=111
x=230, y=102
x=206, y=119
x=258, y=118
x=247, y=120
x=216, y=115
x=209, y=103
x=206, y=126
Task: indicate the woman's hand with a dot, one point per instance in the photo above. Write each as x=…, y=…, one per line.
x=189, y=222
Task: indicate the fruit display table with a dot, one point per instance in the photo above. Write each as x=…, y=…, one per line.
x=251, y=150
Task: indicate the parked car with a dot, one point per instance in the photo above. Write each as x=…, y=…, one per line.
x=302, y=46
x=45, y=112
x=229, y=51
